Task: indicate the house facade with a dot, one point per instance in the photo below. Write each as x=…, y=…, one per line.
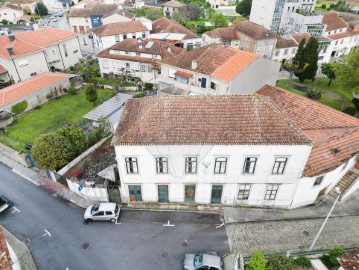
x=174, y=150
x=10, y=12
x=31, y=4
x=285, y=49
x=172, y=6
x=216, y=70
x=29, y=53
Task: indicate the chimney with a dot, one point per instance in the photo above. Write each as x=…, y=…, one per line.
x=169, y=49
x=9, y=50
x=194, y=64
x=11, y=37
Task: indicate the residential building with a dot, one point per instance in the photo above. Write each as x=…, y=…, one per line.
x=26, y=54
x=10, y=12
x=164, y=26
x=34, y=90
x=4, y=75
x=216, y=70
x=138, y=58
x=285, y=49
x=246, y=36
x=172, y=6
x=275, y=14
x=256, y=150
x=304, y=22
x=31, y=4
x=109, y=34
x=220, y=3
x=120, y=16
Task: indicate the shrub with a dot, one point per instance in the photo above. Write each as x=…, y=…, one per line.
x=324, y=6
x=279, y=262
x=356, y=103
x=303, y=262
x=19, y=107
x=76, y=137
x=38, y=107
x=139, y=95
x=330, y=259
x=72, y=90
x=49, y=96
x=314, y=94
x=149, y=86
x=257, y=262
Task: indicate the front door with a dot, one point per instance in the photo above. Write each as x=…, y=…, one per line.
x=135, y=193
x=163, y=193
x=216, y=197
x=203, y=82
x=190, y=192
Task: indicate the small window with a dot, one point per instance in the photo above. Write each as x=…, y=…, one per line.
x=162, y=165
x=138, y=53
x=53, y=51
x=33, y=74
x=191, y=165
x=134, y=35
x=65, y=49
x=101, y=213
x=318, y=180
x=124, y=36
x=243, y=193
x=285, y=51
x=75, y=51
x=249, y=165
x=117, y=38
x=181, y=79
x=279, y=165
x=220, y=165
x=143, y=34
x=213, y=86
x=276, y=52
x=271, y=192
x=131, y=165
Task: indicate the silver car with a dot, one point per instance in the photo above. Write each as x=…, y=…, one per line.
x=201, y=261
x=102, y=211
x=3, y=204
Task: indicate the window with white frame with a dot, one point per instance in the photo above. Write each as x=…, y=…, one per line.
x=162, y=165
x=117, y=38
x=318, y=180
x=181, y=79
x=279, y=165
x=285, y=51
x=65, y=49
x=249, y=165
x=105, y=64
x=271, y=192
x=143, y=34
x=131, y=165
x=213, y=85
x=191, y=165
x=134, y=35
x=124, y=36
x=276, y=52
x=220, y=165
x=243, y=193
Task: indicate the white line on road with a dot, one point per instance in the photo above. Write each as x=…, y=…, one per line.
x=168, y=224
x=219, y=226
x=15, y=209
x=47, y=233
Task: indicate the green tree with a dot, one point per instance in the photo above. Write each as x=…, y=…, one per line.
x=257, y=262
x=154, y=14
x=52, y=151
x=41, y=9
x=219, y=20
x=244, y=7
x=19, y=107
x=299, y=58
x=307, y=54
x=76, y=137
x=293, y=68
x=328, y=70
x=26, y=10
x=4, y=21
x=347, y=73
x=340, y=6
x=279, y=262
x=91, y=93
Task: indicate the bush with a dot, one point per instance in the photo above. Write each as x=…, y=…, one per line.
x=72, y=90
x=303, y=262
x=314, y=94
x=139, y=95
x=257, y=262
x=279, y=262
x=324, y=6
x=5, y=22
x=19, y=107
x=49, y=96
x=149, y=86
x=38, y=107
x=330, y=259
x=356, y=103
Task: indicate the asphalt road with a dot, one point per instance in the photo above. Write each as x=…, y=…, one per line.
x=139, y=242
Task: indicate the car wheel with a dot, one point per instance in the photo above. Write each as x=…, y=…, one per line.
x=113, y=220
x=89, y=220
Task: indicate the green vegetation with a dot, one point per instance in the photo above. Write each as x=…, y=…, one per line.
x=302, y=261
x=330, y=258
x=149, y=13
x=19, y=107
x=91, y=93
x=41, y=9
x=244, y=8
x=139, y=95
x=257, y=262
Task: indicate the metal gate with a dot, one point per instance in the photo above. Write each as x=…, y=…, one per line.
x=135, y=193
x=163, y=193
x=216, y=194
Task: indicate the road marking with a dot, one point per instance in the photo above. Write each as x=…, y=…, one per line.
x=15, y=209
x=168, y=224
x=156, y=222
x=220, y=225
x=47, y=233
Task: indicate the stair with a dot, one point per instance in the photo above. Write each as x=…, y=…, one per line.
x=347, y=180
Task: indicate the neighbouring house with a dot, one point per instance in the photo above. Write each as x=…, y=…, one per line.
x=262, y=150
x=350, y=260
x=246, y=36
x=137, y=57
x=163, y=27
x=172, y=6
x=24, y=19
x=89, y=15
x=26, y=54
x=31, y=4
x=10, y=12
x=219, y=3
x=107, y=35
x=285, y=49
x=34, y=90
x=120, y=16
x=216, y=70
x=302, y=21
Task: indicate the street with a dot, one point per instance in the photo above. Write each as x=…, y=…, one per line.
x=59, y=239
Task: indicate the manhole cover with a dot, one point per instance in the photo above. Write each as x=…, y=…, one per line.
x=184, y=243
x=27, y=241
x=85, y=245
x=306, y=233
x=164, y=254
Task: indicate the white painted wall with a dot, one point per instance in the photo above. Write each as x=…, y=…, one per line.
x=284, y=53
x=10, y=14
x=262, y=12
x=114, y=18
x=108, y=41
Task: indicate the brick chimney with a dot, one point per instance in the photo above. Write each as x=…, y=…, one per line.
x=9, y=50
x=11, y=37
x=194, y=64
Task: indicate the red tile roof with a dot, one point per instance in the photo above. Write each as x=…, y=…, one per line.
x=32, y=41
x=2, y=69
x=184, y=74
x=216, y=60
x=285, y=43
x=339, y=35
x=254, y=30
x=165, y=25
x=299, y=36
x=350, y=260
x=327, y=128
x=174, y=3
x=32, y=85
x=230, y=120
x=225, y=33
x=12, y=6
x=22, y=2
x=119, y=28
x=333, y=21
x=94, y=9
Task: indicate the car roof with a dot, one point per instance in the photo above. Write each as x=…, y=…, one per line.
x=107, y=207
x=211, y=260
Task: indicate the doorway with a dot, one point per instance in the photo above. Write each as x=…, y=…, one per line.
x=216, y=197
x=135, y=193
x=190, y=193
x=162, y=193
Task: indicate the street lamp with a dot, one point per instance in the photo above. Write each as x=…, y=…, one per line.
x=337, y=190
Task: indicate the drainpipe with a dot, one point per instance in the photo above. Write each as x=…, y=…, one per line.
x=17, y=72
x=58, y=45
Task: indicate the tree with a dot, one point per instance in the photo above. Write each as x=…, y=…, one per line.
x=293, y=68
x=76, y=137
x=237, y=20
x=299, y=58
x=279, y=262
x=307, y=54
x=190, y=12
x=4, y=22
x=154, y=14
x=328, y=70
x=91, y=93
x=26, y=10
x=244, y=8
x=41, y=9
x=52, y=151
x=218, y=20
x=347, y=73
x=340, y=6
x=257, y=262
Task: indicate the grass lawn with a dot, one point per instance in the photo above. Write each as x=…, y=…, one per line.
x=52, y=114
x=322, y=85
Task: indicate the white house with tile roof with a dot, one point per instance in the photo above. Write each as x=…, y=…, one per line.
x=10, y=12
x=29, y=53
x=255, y=150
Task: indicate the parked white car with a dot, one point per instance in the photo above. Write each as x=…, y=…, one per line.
x=3, y=204
x=200, y=261
x=102, y=211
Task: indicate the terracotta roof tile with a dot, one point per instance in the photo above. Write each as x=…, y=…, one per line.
x=285, y=43
x=299, y=36
x=12, y=6
x=350, y=260
x=184, y=74
x=333, y=21
x=24, y=88
x=31, y=41
x=2, y=69
x=174, y=3
x=340, y=35
x=254, y=30
x=119, y=28
x=192, y=120
x=225, y=33
x=165, y=25
x=22, y=2
x=94, y=9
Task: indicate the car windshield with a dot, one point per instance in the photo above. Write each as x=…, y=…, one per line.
x=95, y=209
x=198, y=260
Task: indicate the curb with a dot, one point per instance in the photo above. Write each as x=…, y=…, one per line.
x=26, y=177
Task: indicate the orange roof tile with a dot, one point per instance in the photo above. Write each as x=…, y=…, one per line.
x=184, y=74
x=2, y=69
x=34, y=84
x=350, y=260
x=333, y=21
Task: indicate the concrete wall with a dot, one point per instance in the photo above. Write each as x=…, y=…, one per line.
x=115, y=18
x=12, y=154
x=284, y=53
x=108, y=41
x=262, y=12
x=10, y=14
x=92, y=193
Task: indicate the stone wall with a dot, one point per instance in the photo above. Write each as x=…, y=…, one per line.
x=5, y=259
x=12, y=154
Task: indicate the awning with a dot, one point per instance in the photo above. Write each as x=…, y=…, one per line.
x=184, y=74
